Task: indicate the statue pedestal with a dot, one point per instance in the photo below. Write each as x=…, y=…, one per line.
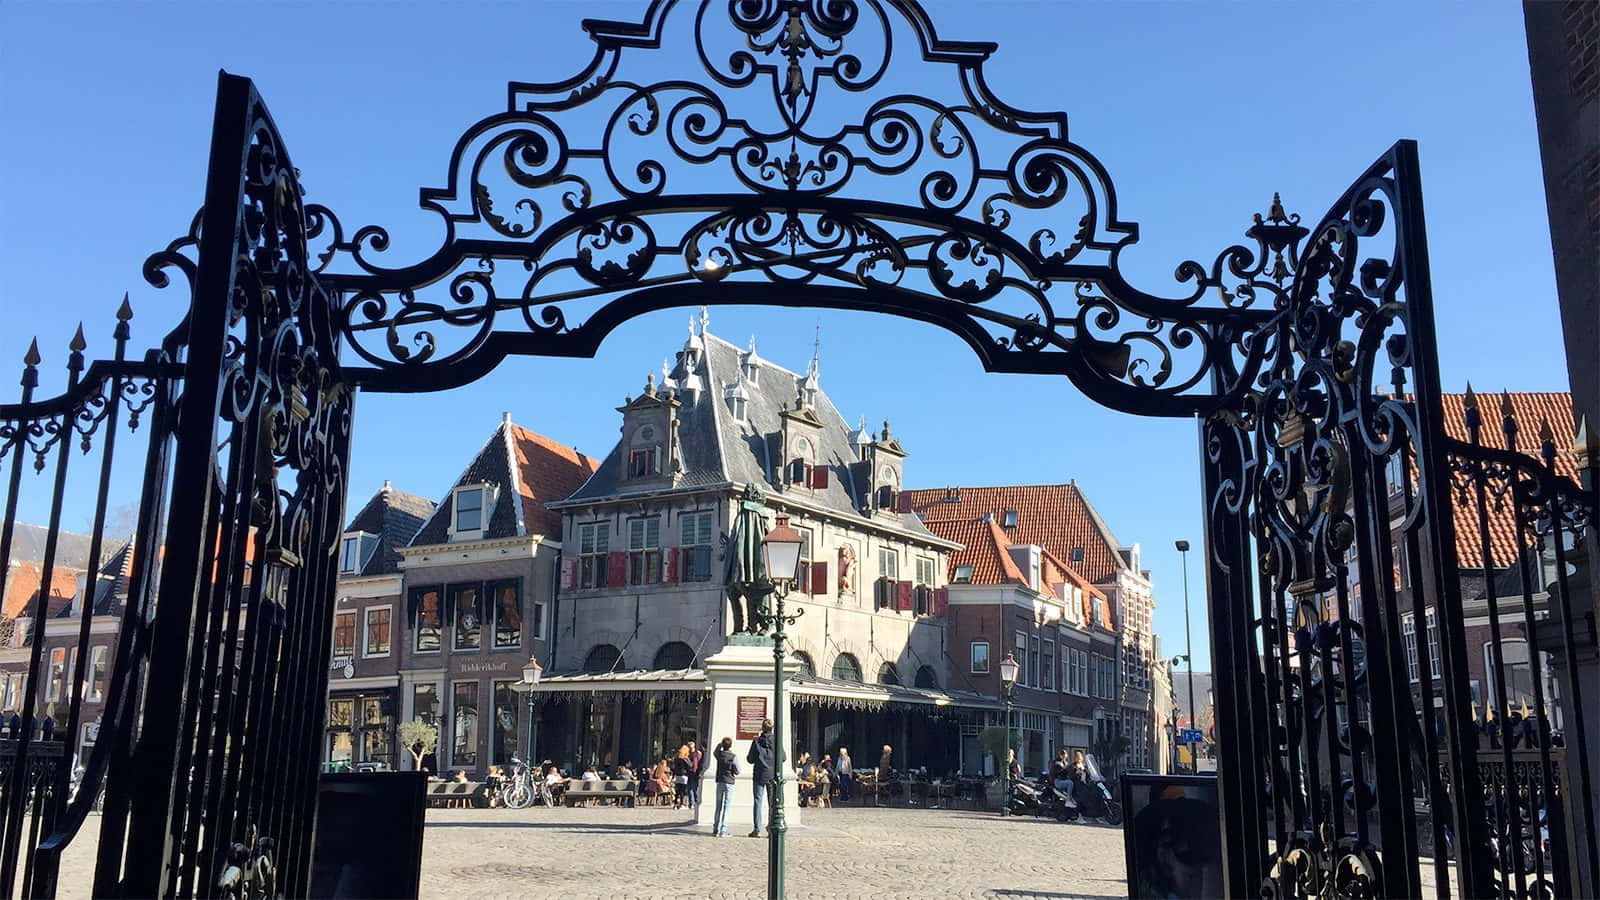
x=740, y=676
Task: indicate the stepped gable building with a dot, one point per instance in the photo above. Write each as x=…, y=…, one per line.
x=364, y=676
x=1060, y=521
x=642, y=579
x=1006, y=596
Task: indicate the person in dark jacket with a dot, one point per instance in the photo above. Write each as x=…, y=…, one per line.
x=760, y=760
x=698, y=761
x=727, y=771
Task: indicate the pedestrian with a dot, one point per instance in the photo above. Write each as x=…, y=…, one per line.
x=697, y=773
x=760, y=760
x=727, y=771
x=885, y=773
x=680, y=777
x=846, y=774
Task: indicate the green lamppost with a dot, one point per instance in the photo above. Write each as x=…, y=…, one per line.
x=1008, y=679
x=780, y=552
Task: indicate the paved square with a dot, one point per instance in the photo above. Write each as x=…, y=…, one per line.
x=605, y=852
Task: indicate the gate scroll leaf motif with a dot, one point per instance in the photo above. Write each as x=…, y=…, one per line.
x=775, y=165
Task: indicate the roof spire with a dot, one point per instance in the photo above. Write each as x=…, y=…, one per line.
x=752, y=345
x=816, y=353
x=666, y=371
x=705, y=318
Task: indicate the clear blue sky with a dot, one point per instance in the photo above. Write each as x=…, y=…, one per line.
x=1200, y=112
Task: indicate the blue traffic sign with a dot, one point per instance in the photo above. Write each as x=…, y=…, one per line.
x=1191, y=736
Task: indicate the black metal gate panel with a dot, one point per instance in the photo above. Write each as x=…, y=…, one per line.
x=208, y=743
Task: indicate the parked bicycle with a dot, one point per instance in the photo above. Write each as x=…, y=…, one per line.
x=521, y=786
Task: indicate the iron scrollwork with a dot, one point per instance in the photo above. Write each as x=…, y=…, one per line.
x=770, y=166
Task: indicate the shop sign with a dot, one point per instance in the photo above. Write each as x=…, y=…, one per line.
x=485, y=666
x=752, y=712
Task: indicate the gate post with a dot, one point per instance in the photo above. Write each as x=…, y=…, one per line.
x=1226, y=467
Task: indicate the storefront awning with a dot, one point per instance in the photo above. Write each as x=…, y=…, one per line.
x=640, y=682
x=832, y=693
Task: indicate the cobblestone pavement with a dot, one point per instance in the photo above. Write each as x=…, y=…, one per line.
x=610, y=853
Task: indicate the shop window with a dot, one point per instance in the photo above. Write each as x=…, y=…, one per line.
x=466, y=602
x=594, y=540
x=507, y=721
x=378, y=622
x=344, y=634
x=507, y=599
x=464, y=725
x=375, y=721
x=697, y=536
x=428, y=619
x=341, y=723
x=644, y=550
x=425, y=703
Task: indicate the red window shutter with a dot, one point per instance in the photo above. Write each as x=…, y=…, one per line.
x=672, y=565
x=819, y=578
x=904, y=591
x=617, y=569
x=903, y=502
x=941, y=601
x=819, y=476
x=569, y=572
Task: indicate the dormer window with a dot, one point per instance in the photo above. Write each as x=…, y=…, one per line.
x=469, y=511
x=644, y=463
x=739, y=408
x=350, y=554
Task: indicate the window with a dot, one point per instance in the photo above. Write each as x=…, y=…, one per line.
x=926, y=678
x=95, y=690
x=1009, y=520
x=644, y=550
x=1433, y=644
x=466, y=601
x=888, y=574
x=375, y=729
x=694, y=558
x=1099, y=612
x=1066, y=670
x=1019, y=652
x=1076, y=555
x=922, y=594
x=594, y=541
x=378, y=620
x=802, y=582
x=464, y=716
x=429, y=619
x=469, y=509
x=674, y=655
x=506, y=597
x=425, y=703
x=845, y=668
x=1034, y=654
x=1408, y=633
x=507, y=721
x=344, y=634
x=980, y=657
x=962, y=575
x=341, y=721
x=1047, y=667
x=888, y=674
x=738, y=408
x=350, y=554
x=58, y=673
x=807, y=667
x=602, y=658
x=644, y=463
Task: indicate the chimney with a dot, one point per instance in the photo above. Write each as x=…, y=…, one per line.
x=505, y=418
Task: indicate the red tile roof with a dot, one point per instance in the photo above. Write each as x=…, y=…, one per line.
x=547, y=471
x=1056, y=517
x=22, y=588
x=986, y=548
x=1529, y=410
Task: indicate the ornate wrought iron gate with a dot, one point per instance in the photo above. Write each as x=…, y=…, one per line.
x=1307, y=353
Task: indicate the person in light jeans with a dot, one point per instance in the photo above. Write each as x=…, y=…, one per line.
x=727, y=772
x=760, y=759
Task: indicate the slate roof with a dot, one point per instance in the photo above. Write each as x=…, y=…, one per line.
x=1057, y=517
x=527, y=470
x=395, y=517
x=715, y=448
x=26, y=573
x=1529, y=409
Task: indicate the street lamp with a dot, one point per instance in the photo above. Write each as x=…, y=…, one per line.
x=530, y=677
x=1188, y=650
x=1008, y=679
x=780, y=554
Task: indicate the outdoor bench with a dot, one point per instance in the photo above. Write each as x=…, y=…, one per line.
x=620, y=790
x=458, y=793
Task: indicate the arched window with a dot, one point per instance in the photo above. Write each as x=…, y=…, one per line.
x=888, y=674
x=674, y=655
x=602, y=659
x=926, y=678
x=807, y=667
x=845, y=668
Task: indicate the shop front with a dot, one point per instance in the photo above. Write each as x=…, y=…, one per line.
x=922, y=726
x=361, y=727
x=625, y=718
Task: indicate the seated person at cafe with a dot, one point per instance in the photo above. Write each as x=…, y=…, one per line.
x=555, y=781
x=590, y=774
x=806, y=779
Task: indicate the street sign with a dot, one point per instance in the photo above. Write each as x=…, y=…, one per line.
x=1191, y=736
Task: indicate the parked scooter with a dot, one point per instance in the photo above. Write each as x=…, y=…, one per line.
x=517, y=790
x=1093, y=797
